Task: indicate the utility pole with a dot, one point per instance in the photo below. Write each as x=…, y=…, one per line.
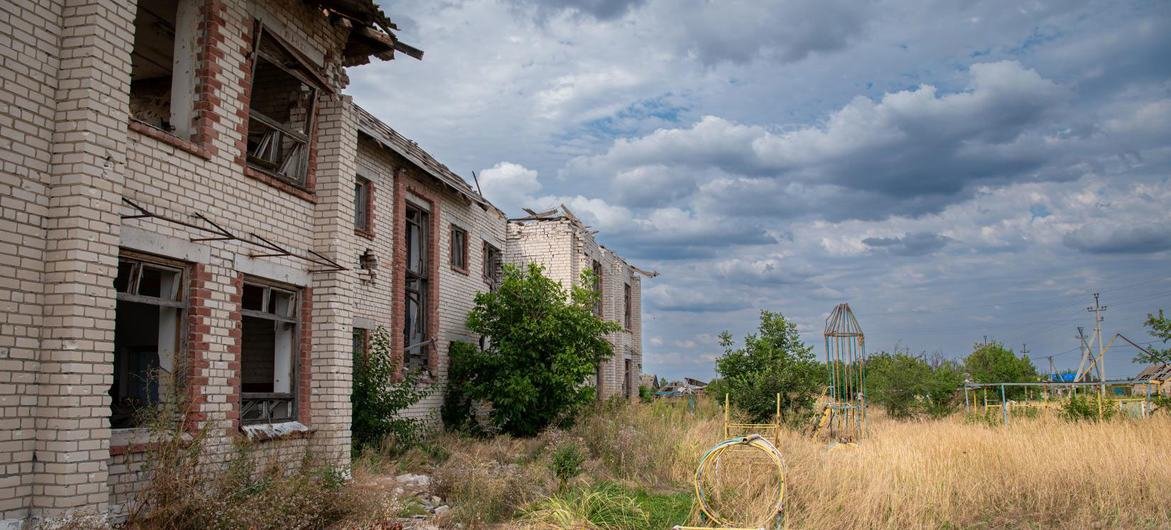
x=1097, y=310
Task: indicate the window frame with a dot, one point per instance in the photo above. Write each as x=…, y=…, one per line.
x=422, y=291
x=599, y=289
x=309, y=77
x=366, y=229
x=628, y=306
x=182, y=305
x=491, y=273
x=455, y=230
x=293, y=396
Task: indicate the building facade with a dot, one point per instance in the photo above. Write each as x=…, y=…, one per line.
x=193, y=211
x=176, y=203
x=565, y=247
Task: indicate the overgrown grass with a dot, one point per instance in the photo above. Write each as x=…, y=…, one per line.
x=1040, y=471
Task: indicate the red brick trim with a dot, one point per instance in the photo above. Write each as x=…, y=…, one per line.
x=404, y=183
x=199, y=338
x=305, y=191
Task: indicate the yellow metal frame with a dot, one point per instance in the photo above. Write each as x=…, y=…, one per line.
x=772, y=430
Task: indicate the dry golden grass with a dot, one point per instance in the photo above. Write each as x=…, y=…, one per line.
x=1033, y=473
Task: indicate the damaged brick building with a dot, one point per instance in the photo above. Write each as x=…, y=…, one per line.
x=196, y=198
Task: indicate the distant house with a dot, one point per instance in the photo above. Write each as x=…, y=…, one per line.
x=1157, y=379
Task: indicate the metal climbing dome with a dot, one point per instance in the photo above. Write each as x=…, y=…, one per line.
x=844, y=416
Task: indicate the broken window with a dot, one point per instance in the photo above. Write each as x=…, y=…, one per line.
x=147, y=322
x=417, y=289
x=598, y=288
x=162, y=65
x=626, y=304
x=361, y=347
x=268, y=362
x=628, y=382
x=459, y=248
x=491, y=269
x=363, y=205
x=281, y=109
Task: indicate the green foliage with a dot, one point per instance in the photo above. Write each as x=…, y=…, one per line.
x=1087, y=408
x=1160, y=328
x=993, y=363
x=543, y=346
x=906, y=385
x=377, y=399
x=566, y=462
x=646, y=393
x=772, y=361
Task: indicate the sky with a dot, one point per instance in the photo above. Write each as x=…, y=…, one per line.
x=955, y=170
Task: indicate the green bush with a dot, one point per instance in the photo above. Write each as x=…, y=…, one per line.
x=906, y=385
x=773, y=361
x=543, y=345
x=377, y=400
x=566, y=462
x=1087, y=408
x=646, y=394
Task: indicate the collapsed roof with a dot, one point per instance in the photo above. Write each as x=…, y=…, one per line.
x=371, y=32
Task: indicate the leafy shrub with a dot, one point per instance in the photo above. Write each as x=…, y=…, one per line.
x=377, y=399
x=646, y=394
x=906, y=385
x=1087, y=408
x=566, y=462
x=773, y=361
x=543, y=344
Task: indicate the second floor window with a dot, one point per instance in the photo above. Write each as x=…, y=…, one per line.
x=281, y=110
x=492, y=266
x=162, y=78
x=627, y=303
x=418, y=288
x=363, y=205
x=597, y=268
x=459, y=248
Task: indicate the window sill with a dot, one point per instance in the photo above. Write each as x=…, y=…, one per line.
x=280, y=184
x=262, y=432
x=463, y=271
x=131, y=440
x=368, y=234
x=169, y=139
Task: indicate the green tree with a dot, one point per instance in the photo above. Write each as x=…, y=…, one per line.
x=907, y=385
x=543, y=346
x=1160, y=328
x=992, y=362
x=772, y=361
x=376, y=399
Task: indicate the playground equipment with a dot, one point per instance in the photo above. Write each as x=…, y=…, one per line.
x=844, y=414
x=740, y=485
x=772, y=431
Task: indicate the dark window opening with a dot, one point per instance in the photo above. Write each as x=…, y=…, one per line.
x=162, y=76
x=628, y=384
x=280, y=111
x=459, y=248
x=147, y=325
x=268, y=360
x=492, y=266
x=597, y=268
x=626, y=302
x=362, y=205
x=361, y=347
x=417, y=289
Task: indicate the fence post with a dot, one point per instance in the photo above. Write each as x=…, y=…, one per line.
x=1003, y=405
